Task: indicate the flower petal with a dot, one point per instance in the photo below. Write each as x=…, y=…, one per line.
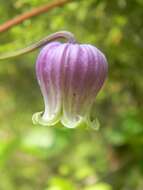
x=48, y=69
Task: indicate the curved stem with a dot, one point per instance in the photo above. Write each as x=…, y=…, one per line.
x=61, y=34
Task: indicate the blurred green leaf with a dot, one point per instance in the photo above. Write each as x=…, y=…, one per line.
x=99, y=186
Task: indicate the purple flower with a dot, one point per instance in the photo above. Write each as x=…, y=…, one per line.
x=70, y=75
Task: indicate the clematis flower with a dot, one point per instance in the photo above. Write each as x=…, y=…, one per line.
x=70, y=76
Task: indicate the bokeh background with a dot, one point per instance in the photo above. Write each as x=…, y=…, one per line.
x=56, y=158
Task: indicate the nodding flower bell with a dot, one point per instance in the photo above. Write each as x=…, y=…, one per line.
x=70, y=75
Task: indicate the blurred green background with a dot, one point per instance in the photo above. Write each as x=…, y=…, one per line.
x=56, y=158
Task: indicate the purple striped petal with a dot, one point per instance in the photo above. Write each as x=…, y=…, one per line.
x=70, y=76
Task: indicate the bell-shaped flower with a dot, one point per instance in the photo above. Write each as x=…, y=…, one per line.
x=70, y=75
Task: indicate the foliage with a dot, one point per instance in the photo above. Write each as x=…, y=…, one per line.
x=35, y=157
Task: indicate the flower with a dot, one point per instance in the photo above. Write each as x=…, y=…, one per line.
x=70, y=75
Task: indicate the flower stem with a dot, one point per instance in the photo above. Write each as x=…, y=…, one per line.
x=61, y=34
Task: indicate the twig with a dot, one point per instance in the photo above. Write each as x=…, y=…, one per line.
x=34, y=12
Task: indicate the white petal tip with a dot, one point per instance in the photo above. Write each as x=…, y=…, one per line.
x=37, y=118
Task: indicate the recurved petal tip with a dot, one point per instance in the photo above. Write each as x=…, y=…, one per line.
x=73, y=122
x=38, y=118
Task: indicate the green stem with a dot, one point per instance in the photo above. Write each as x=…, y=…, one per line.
x=61, y=34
